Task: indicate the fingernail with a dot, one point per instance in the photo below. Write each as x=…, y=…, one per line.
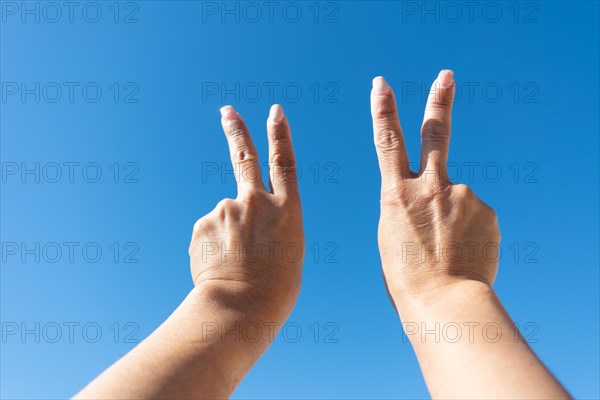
x=228, y=113
x=446, y=76
x=276, y=113
x=380, y=86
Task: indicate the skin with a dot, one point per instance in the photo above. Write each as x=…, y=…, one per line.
x=246, y=285
x=433, y=237
x=245, y=276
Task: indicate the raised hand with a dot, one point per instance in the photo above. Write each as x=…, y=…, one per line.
x=432, y=233
x=248, y=252
x=439, y=246
x=246, y=260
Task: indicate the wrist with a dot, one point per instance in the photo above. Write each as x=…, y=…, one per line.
x=228, y=319
x=248, y=302
x=440, y=300
x=464, y=311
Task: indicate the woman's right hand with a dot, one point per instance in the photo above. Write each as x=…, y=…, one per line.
x=432, y=233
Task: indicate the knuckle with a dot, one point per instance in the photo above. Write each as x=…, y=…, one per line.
x=279, y=135
x=441, y=101
x=224, y=208
x=489, y=212
x=281, y=173
x=436, y=129
x=198, y=226
x=253, y=197
x=225, y=204
x=236, y=132
x=429, y=192
x=245, y=155
x=463, y=192
x=442, y=95
x=461, y=201
x=388, y=139
x=386, y=108
x=201, y=226
x=280, y=159
x=247, y=170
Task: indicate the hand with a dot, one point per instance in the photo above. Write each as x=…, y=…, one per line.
x=439, y=248
x=246, y=259
x=432, y=233
x=247, y=253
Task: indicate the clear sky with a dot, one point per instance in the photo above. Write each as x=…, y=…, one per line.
x=111, y=149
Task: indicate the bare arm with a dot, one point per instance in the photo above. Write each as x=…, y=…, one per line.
x=437, y=243
x=189, y=356
x=246, y=283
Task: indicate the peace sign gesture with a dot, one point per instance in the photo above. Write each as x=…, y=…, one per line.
x=251, y=249
x=431, y=232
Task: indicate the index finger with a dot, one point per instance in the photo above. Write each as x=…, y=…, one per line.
x=389, y=140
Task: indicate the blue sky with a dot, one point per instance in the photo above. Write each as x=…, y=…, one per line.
x=113, y=110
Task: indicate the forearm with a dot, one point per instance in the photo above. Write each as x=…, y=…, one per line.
x=198, y=352
x=468, y=347
x=226, y=323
